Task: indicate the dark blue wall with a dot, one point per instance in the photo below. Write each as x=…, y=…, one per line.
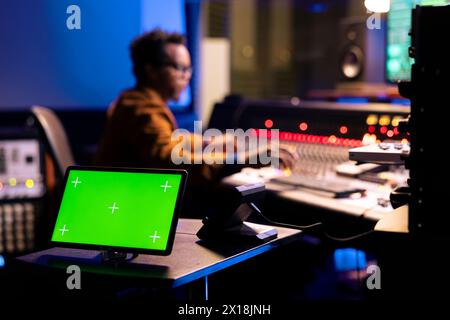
x=43, y=62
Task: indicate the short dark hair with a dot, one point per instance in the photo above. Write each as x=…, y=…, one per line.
x=149, y=49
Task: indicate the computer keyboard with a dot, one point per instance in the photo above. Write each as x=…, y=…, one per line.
x=17, y=227
x=334, y=189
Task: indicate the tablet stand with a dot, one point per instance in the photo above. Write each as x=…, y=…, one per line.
x=116, y=256
x=229, y=220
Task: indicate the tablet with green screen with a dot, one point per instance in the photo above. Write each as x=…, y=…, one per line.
x=120, y=209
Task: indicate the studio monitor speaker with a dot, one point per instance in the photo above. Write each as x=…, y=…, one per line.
x=361, y=51
x=352, y=56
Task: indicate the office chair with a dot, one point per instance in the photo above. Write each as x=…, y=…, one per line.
x=55, y=138
x=58, y=156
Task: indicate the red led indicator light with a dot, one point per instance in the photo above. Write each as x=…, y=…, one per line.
x=303, y=126
x=268, y=123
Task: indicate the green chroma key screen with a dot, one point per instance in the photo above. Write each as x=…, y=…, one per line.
x=132, y=210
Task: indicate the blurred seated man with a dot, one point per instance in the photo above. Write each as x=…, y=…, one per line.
x=140, y=125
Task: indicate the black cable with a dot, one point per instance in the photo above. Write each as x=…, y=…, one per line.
x=284, y=224
x=116, y=258
x=355, y=236
x=348, y=238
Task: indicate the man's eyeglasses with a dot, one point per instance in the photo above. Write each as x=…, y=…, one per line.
x=180, y=68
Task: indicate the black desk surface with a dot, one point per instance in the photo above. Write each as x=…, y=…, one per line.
x=190, y=259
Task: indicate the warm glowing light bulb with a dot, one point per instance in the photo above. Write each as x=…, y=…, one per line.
x=12, y=182
x=384, y=121
x=332, y=139
x=380, y=6
x=29, y=183
x=372, y=120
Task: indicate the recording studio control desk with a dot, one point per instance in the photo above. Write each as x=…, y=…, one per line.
x=191, y=259
x=319, y=135
x=333, y=193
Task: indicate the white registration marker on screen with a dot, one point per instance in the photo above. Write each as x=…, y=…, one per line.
x=166, y=186
x=63, y=230
x=76, y=182
x=113, y=208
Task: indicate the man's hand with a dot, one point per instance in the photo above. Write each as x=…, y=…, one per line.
x=287, y=158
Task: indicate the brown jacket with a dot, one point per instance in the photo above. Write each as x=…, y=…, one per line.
x=138, y=134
